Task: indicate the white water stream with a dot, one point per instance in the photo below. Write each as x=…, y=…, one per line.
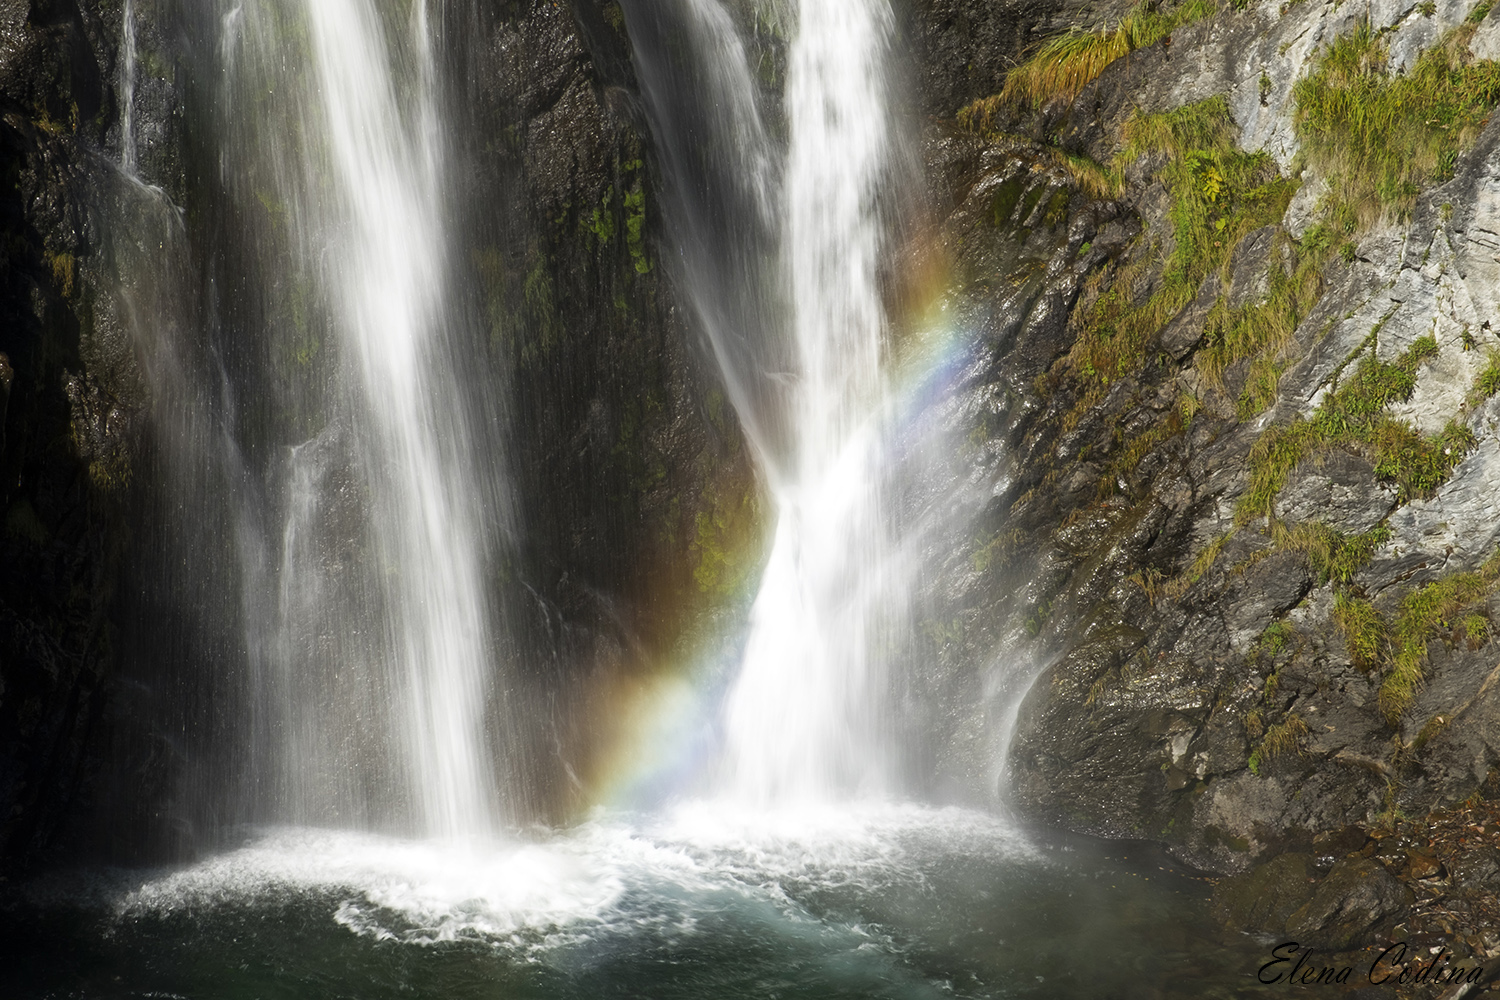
x=127, y=90
x=388, y=274
x=806, y=718
x=374, y=686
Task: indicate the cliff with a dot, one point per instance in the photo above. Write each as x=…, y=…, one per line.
x=1234, y=370
x=1247, y=393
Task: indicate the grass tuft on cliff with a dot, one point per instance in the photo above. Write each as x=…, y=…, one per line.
x=1380, y=137
x=1332, y=556
x=1362, y=627
x=1454, y=604
x=1064, y=65
x=1423, y=615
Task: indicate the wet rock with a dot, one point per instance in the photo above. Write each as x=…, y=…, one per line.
x=1184, y=332
x=60, y=536
x=1478, y=869
x=1333, y=844
x=1339, y=490
x=1260, y=901
x=1357, y=899
x=1420, y=865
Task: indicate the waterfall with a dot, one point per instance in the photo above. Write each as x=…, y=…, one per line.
x=375, y=691
x=804, y=717
x=801, y=348
x=127, y=89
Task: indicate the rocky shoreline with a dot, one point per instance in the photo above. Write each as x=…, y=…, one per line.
x=1413, y=906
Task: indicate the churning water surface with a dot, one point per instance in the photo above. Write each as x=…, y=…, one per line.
x=701, y=902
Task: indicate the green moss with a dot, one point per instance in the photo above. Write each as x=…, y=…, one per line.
x=635, y=224
x=1277, y=637
x=998, y=550
x=544, y=327
x=1038, y=618
x=1003, y=201
x=725, y=530
x=305, y=351
x=489, y=266
x=1380, y=137
x=601, y=222
x=1028, y=204
x=21, y=522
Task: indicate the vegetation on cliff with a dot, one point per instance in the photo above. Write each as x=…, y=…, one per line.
x=1379, y=137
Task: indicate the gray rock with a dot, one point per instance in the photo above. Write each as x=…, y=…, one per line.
x=1338, y=489
x=1477, y=870
x=1486, y=41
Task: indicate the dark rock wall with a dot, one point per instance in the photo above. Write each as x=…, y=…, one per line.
x=64, y=431
x=631, y=480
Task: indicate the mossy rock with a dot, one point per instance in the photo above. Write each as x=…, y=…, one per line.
x=1349, y=908
x=1261, y=900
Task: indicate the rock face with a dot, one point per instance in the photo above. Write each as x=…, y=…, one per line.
x=1341, y=910
x=1202, y=676
x=69, y=431
x=1357, y=900
x=635, y=493
x=1261, y=900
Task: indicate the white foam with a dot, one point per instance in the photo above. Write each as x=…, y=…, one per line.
x=611, y=875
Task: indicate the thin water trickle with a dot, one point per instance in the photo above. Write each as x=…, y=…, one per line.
x=127, y=90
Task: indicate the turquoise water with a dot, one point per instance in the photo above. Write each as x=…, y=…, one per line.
x=889, y=902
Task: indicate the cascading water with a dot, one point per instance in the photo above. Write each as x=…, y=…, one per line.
x=374, y=690
x=128, y=152
x=791, y=303
x=326, y=431
x=822, y=622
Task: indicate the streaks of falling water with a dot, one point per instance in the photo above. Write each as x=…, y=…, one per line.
x=805, y=717
x=127, y=90
x=390, y=313
x=799, y=341
x=374, y=692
